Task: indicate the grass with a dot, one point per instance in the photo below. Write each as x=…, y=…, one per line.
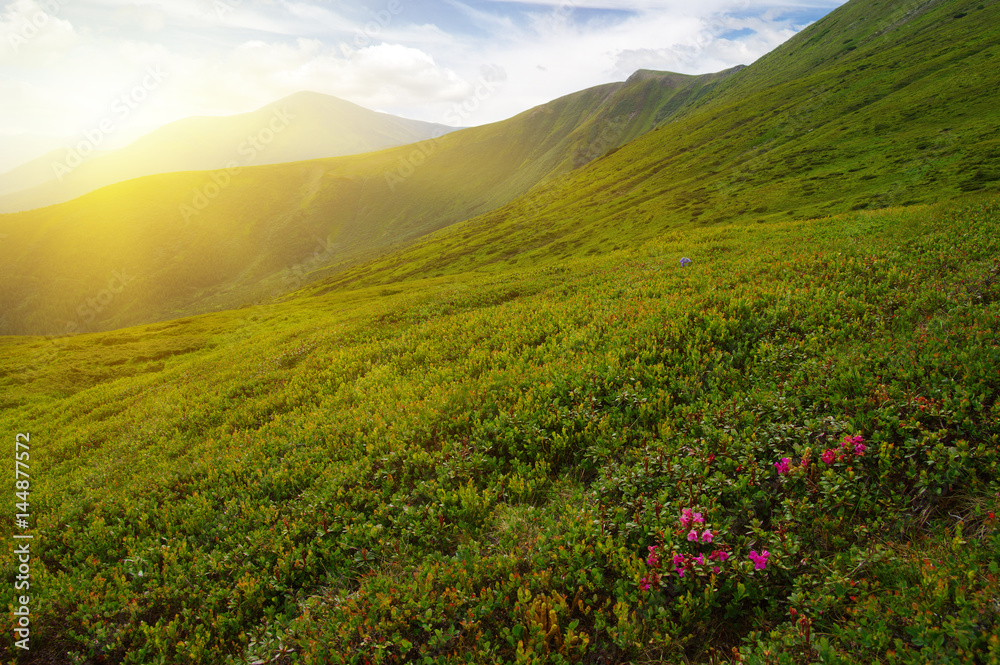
x=472, y=468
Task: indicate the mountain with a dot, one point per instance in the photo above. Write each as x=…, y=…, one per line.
x=306, y=125
x=199, y=241
x=876, y=105
x=19, y=149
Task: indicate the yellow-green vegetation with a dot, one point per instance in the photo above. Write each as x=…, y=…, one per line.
x=200, y=241
x=474, y=468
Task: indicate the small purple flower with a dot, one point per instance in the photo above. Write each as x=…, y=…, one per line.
x=783, y=465
x=685, y=262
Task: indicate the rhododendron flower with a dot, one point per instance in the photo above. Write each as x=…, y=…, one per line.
x=652, y=559
x=715, y=569
x=782, y=465
x=706, y=537
x=698, y=519
x=680, y=572
x=678, y=559
x=859, y=449
x=644, y=584
x=720, y=555
x=686, y=517
x=700, y=560
x=759, y=560
x=829, y=456
x=693, y=536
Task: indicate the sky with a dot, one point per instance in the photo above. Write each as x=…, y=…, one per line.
x=117, y=69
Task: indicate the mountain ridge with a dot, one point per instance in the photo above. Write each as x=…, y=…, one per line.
x=304, y=125
x=308, y=215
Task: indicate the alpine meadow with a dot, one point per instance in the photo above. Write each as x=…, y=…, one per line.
x=682, y=369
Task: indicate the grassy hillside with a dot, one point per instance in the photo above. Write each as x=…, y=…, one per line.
x=193, y=242
x=538, y=435
x=306, y=125
x=496, y=468
x=878, y=104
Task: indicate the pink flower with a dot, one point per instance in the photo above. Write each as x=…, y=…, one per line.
x=680, y=572
x=715, y=569
x=829, y=456
x=857, y=439
x=652, y=559
x=719, y=555
x=693, y=536
x=678, y=559
x=706, y=536
x=782, y=465
x=689, y=517
x=759, y=560
x=859, y=449
x=700, y=560
x=644, y=584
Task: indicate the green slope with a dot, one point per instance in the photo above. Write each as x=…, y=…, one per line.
x=878, y=104
x=473, y=469
x=199, y=241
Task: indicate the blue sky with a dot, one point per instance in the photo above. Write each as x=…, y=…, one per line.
x=65, y=64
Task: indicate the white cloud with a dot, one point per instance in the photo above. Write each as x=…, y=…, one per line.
x=34, y=34
x=232, y=56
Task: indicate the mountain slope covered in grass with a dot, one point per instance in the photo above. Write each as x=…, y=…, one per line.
x=306, y=125
x=873, y=106
x=198, y=241
x=497, y=468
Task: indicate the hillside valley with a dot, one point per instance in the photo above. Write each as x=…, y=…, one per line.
x=201, y=241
